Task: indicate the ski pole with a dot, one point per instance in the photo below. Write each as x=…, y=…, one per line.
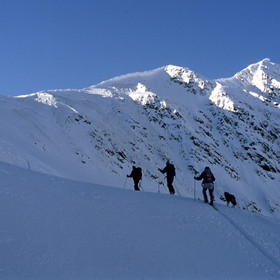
x=177, y=189
x=140, y=185
x=125, y=183
x=158, y=181
x=193, y=189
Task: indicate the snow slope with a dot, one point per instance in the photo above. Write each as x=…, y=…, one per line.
x=54, y=228
x=96, y=134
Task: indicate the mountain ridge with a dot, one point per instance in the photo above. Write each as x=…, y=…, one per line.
x=96, y=134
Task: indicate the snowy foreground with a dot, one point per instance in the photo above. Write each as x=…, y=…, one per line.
x=53, y=228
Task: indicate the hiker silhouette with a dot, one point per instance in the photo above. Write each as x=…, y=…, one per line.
x=169, y=169
x=136, y=174
x=207, y=183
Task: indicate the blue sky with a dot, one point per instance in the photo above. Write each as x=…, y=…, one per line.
x=57, y=44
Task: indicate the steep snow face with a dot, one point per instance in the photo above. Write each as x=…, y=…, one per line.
x=267, y=78
x=96, y=134
x=221, y=99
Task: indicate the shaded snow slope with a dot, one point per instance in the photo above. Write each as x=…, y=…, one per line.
x=53, y=228
x=96, y=134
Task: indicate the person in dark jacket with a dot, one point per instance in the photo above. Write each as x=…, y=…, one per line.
x=136, y=174
x=169, y=169
x=207, y=183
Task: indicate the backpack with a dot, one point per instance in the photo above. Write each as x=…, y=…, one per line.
x=208, y=177
x=171, y=170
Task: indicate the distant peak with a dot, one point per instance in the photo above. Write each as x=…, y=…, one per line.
x=265, y=75
x=264, y=65
x=171, y=67
x=176, y=71
x=265, y=60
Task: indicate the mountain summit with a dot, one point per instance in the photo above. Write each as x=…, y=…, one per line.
x=96, y=134
x=264, y=75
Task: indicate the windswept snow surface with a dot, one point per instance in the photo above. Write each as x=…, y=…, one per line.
x=53, y=228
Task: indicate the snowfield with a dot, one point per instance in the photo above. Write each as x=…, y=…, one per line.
x=53, y=228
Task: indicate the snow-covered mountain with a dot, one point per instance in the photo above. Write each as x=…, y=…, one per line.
x=96, y=134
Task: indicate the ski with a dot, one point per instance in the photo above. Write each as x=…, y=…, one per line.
x=214, y=207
